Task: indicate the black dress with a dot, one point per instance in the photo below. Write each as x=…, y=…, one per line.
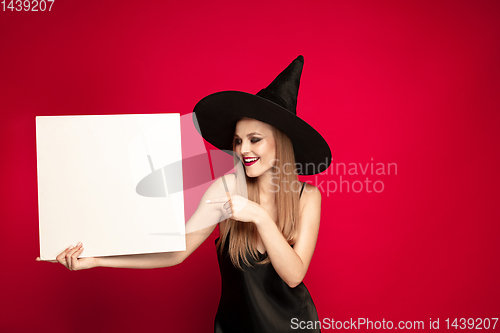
x=257, y=300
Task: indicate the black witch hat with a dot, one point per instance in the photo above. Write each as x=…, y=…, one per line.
x=216, y=115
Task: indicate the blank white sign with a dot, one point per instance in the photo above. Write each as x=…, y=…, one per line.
x=89, y=173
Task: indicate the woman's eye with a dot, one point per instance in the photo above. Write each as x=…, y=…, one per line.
x=253, y=140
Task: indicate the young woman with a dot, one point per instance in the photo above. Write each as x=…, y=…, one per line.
x=266, y=241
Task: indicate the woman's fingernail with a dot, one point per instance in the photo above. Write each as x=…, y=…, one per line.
x=208, y=201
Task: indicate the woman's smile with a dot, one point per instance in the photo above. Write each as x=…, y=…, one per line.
x=250, y=160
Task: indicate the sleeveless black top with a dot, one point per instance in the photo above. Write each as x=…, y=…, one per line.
x=257, y=300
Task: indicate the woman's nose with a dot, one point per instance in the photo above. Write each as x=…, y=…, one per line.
x=245, y=147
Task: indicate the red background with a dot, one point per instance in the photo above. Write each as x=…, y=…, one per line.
x=412, y=83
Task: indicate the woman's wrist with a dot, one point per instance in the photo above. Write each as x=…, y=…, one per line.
x=263, y=220
x=98, y=261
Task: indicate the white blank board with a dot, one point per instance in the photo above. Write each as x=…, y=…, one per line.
x=88, y=171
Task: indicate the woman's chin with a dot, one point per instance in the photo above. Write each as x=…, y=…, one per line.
x=256, y=172
x=251, y=174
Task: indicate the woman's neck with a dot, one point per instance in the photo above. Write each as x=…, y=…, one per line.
x=268, y=185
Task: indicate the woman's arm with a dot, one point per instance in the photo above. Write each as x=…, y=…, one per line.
x=157, y=260
x=291, y=264
x=198, y=228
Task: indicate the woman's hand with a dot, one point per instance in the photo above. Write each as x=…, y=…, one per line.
x=69, y=259
x=241, y=209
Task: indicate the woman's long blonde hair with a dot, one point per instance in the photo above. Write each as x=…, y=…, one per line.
x=244, y=235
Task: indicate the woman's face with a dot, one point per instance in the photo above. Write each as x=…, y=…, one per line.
x=255, y=146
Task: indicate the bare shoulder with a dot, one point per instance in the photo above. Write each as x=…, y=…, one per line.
x=230, y=180
x=310, y=201
x=309, y=222
x=311, y=194
x=217, y=188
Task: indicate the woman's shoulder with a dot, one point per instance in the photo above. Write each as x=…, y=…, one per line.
x=310, y=193
x=218, y=186
x=229, y=178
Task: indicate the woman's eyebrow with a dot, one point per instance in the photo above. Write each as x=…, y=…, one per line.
x=249, y=134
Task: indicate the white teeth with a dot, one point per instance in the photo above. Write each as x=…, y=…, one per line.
x=248, y=160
